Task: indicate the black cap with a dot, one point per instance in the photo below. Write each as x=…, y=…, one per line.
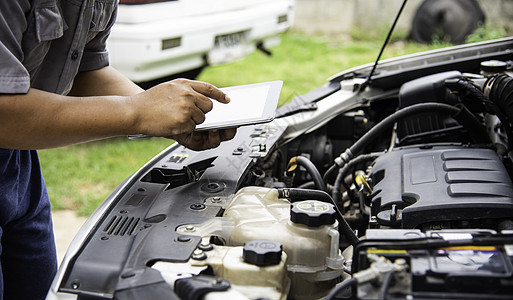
x=262, y=252
x=312, y=213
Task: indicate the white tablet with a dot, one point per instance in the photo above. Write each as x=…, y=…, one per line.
x=250, y=104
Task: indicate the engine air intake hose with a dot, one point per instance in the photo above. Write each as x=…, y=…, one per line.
x=501, y=93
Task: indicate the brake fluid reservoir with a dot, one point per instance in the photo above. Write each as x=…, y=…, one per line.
x=308, y=231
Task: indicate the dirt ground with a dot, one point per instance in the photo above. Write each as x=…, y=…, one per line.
x=65, y=225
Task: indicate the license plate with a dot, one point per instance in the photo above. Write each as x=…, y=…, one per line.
x=227, y=48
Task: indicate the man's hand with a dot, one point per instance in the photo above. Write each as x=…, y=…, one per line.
x=173, y=109
x=202, y=140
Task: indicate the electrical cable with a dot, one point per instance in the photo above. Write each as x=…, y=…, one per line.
x=342, y=286
x=493, y=103
x=387, y=280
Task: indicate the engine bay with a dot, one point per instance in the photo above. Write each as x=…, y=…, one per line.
x=401, y=190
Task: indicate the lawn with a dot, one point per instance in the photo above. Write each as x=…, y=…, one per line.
x=79, y=177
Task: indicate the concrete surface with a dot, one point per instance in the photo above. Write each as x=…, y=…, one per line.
x=335, y=17
x=338, y=17
x=65, y=225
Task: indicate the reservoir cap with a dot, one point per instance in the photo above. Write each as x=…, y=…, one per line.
x=494, y=66
x=262, y=252
x=312, y=213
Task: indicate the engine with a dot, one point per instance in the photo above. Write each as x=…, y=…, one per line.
x=440, y=187
x=407, y=187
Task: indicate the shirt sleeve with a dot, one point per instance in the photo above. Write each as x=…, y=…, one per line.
x=95, y=52
x=14, y=77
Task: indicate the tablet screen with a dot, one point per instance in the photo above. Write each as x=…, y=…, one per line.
x=250, y=104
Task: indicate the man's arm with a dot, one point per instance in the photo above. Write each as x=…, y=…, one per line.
x=109, y=81
x=40, y=119
x=105, y=81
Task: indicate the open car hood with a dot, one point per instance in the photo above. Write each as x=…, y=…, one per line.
x=405, y=184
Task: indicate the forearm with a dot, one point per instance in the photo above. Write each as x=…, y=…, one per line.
x=38, y=119
x=44, y=120
x=105, y=81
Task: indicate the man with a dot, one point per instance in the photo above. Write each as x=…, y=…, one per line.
x=57, y=89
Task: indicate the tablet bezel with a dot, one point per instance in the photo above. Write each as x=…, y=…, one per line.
x=268, y=113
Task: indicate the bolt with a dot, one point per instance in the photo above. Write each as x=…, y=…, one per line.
x=199, y=255
x=75, y=284
x=189, y=228
x=216, y=199
x=127, y=275
x=197, y=206
x=218, y=281
x=213, y=186
x=206, y=246
x=184, y=239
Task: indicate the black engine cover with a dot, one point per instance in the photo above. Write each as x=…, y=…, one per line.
x=418, y=185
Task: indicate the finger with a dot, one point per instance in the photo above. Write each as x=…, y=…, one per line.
x=188, y=140
x=227, y=134
x=209, y=90
x=197, y=115
x=214, y=138
x=203, y=103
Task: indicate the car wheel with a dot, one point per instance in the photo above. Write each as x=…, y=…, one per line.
x=446, y=20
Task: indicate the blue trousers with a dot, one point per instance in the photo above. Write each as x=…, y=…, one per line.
x=28, y=260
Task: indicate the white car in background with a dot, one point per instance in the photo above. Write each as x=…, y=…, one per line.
x=153, y=39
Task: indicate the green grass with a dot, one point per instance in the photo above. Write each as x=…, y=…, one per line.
x=79, y=177
x=302, y=62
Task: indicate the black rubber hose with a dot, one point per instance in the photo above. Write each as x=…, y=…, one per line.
x=295, y=195
x=307, y=185
x=328, y=173
x=348, y=166
x=342, y=286
x=460, y=114
x=312, y=170
x=501, y=94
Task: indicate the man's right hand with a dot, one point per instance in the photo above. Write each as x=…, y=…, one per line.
x=174, y=107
